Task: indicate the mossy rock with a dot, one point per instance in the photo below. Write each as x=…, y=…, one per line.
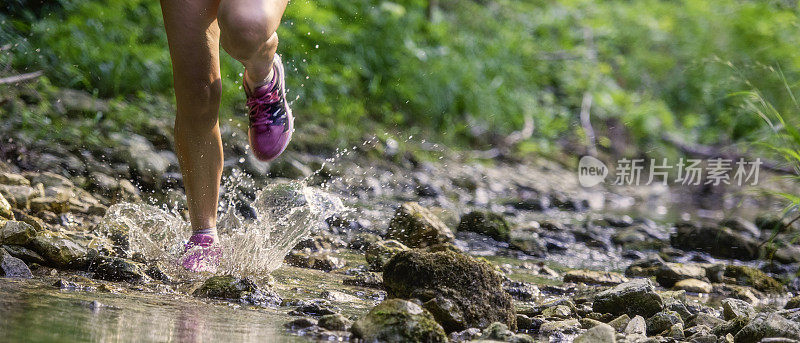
x=378, y=253
x=59, y=250
x=471, y=288
x=748, y=276
x=768, y=325
x=416, y=227
x=397, y=320
x=486, y=223
x=717, y=241
x=226, y=287
x=15, y=232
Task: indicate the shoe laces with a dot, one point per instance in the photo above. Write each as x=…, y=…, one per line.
x=263, y=108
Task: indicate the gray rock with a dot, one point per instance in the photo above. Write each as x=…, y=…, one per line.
x=670, y=273
x=742, y=225
x=636, y=297
x=301, y=323
x=25, y=254
x=717, y=241
x=147, y=164
x=378, y=253
x=416, y=227
x=16, y=232
x=13, y=267
x=694, y=286
x=117, y=269
x=663, y=321
x=321, y=261
x=768, y=325
x=59, y=250
x=569, y=326
x=335, y=322
x=637, y=326
x=602, y=333
x=397, y=320
x=365, y=279
x=19, y=196
x=793, y=303
x=241, y=289
x=594, y=277
x=466, y=335
x=13, y=179
x=703, y=319
x=487, y=223
x=733, y=308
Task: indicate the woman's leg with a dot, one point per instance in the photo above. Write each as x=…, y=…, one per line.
x=193, y=36
x=248, y=34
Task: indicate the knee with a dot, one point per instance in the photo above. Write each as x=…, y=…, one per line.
x=198, y=105
x=245, y=28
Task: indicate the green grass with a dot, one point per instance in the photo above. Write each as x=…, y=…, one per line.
x=652, y=66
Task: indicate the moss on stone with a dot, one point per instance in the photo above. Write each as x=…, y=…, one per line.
x=473, y=287
x=748, y=276
x=487, y=223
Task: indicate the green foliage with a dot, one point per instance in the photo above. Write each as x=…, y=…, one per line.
x=652, y=66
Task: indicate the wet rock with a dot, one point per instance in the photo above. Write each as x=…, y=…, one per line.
x=379, y=253
x=35, y=222
x=117, y=269
x=15, y=232
x=717, y=241
x=315, y=307
x=768, y=325
x=522, y=291
x=13, y=179
x=146, y=163
x=397, y=320
x=59, y=250
x=471, y=285
x=19, y=196
x=447, y=314
x=528, y=242
x=362, y=240
x=487, y=223
x=335, y=322
x=500, y=332
x=741, y=225
x=320, y=242
x=365, y=279
x=662, y=321
x=13, y=267
x=694, y=286
x=793, y=303
x=48, y=179
x=416, y=227
x=636, y=326
x=321, y=261
x=645, y=267
x=242, y=289
x=337, y=296
x=569, y=326
x=620, y=322
x=748, y=276
x=734, y=308
x=466, y=335
x=670, y=273
x=602, y=333
x=594, y=277
x=23, y=253
x=530, y=204
x=5, y=209
x=703, y=319
x=301, y=323
x=50, y=204
x=636, y=297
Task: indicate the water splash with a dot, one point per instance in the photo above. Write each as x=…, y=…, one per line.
x=282, y=215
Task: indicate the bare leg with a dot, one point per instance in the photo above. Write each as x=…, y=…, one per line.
x=193, y=36
x=248, y=34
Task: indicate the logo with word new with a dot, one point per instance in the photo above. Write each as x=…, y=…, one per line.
x=591, y=171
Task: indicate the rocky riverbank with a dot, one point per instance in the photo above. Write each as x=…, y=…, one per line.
x=431, y=250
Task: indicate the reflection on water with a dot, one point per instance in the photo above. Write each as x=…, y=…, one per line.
x=31, y=311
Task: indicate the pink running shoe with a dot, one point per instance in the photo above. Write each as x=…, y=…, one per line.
x=201, y=254
x=271, y=120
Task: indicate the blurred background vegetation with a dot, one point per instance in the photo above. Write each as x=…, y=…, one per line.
x=459, y=72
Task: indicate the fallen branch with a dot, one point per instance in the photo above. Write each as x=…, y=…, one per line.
x=21, y=77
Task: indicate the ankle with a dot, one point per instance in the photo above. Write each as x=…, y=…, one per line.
x=210, y=231
x=254, y=84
